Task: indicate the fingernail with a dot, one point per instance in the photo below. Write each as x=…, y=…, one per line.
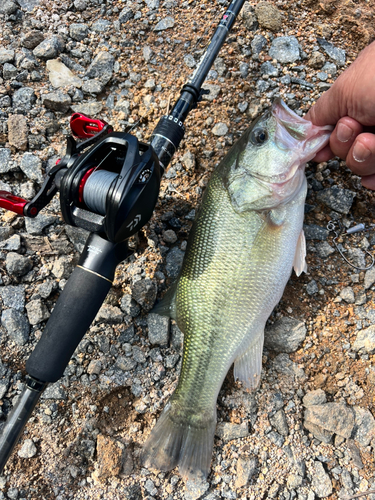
x=344, y=133
x=360, y=152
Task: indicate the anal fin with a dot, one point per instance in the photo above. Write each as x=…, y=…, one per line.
x=299, y=262
x=248, y=365
x=167, y=305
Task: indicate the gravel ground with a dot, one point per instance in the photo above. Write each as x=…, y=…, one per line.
x=309, y=431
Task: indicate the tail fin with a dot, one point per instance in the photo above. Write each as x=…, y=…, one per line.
x=181, y=438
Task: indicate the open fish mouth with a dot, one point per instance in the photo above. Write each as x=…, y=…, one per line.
x=295, y=133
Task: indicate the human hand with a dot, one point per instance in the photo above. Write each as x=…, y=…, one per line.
x=350, y=105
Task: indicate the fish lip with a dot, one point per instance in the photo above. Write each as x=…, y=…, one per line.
x=297, y=133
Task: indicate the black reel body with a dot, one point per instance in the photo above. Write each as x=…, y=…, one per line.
x=112, y=188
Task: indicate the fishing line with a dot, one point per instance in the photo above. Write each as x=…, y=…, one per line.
x=96, y=190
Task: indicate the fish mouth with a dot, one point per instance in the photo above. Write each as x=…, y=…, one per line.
x=295, y=133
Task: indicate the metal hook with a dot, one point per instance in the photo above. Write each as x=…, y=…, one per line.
x=337, y=228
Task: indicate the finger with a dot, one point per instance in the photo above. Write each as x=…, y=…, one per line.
x=344, y=135
x=368, y=182
x=361, y=157
x=324, y=154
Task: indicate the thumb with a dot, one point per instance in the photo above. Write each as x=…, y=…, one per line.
x=326, y=110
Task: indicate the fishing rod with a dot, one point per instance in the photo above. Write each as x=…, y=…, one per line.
x=109, y=185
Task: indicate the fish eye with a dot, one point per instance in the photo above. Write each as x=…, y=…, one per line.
x=259, y=136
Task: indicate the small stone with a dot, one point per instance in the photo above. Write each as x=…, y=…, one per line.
x=369, y=278
x=92, y=108
x=214, y=91
x=158, y=329
x=147, y=53
x=57, y=101
x=125, y=15
x=294, y=481
x=365, y=340
x=334, y=418
x=364, y=429
x=228, y=431
x=13, y=297
x=188, y=161
x=164, y=24
x=190, y=61
x=109, y=314
x=6, y=55
x=316, y=397
x=12, y=244
x=285, y=49
x=268, y=69
x=258, y=43
x=316, y=60
x=276, y=438
x=24, y=99
x=244, y=70
x=321, y=482
x=61, y=76
x=315, y=232
x=5, y=158
x=28, y=5
x=129, y=306
x=268, y=16
x=36, y=225
x=92, y=87
x=174, y=261
x=101, y=67
x=78, y=31
x=54, y=391
x=312, y=287
x=279, y=422
x=101, y=26
x=16, y=325
x=338, y=55
x=32, y=39
x=49, y=48
x=246, y=468
x=28, y=449
x=220, y=129
x=7, y=7
x=109, y=456
x=177, y=337
x=285, y=335
x=324, y=249
x=169, y=236
x=330, y=68
x=249, y=17
x=94, y=367
x=17, y=265
x=37, y=312
x=347, y=294
x=31, y=166
x=144, y=292
x=125, y=363
x=9, y=71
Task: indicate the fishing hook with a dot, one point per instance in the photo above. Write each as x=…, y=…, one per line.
x=336, y=228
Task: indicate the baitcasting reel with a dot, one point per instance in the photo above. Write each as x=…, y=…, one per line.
x=108, y=184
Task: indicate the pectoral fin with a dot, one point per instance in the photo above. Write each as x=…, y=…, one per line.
x=248, y=365
x=167, y=305
x=299, y=262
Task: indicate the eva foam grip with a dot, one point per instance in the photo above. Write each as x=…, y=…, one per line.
x=72, y=316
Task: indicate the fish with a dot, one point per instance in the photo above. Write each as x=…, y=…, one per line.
x=245, y=241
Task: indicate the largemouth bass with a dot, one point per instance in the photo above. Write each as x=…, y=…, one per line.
x=247, y=237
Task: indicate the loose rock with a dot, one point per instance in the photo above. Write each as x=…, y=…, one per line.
x=285, y=335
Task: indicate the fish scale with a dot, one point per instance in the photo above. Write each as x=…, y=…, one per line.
x=243, y=244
